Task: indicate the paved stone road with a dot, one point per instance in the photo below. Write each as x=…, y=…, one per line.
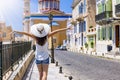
x=53, y=73
x=85, y=67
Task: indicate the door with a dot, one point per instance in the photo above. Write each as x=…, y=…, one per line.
x=117, y=35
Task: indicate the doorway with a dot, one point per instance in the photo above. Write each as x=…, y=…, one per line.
x=117, y=31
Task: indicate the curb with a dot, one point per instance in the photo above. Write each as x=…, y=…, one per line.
x=20, y=71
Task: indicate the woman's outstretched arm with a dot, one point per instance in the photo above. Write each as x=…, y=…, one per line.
x=59, y=30
x=25, y=33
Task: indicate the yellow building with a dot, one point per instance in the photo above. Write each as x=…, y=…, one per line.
x=45, y=8
x=5, y=32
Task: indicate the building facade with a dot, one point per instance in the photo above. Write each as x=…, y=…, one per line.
x=116, y=8
x=90, y=45
x=83, y=12
x=5, y=32
x=45, y=8
x=108, y=27
x=79, y=23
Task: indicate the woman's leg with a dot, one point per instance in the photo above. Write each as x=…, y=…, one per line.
x=40, y=69
x=45, y=71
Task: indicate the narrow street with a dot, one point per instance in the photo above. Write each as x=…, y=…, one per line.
x=85, y=67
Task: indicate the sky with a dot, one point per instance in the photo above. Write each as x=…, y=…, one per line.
x=11, y=11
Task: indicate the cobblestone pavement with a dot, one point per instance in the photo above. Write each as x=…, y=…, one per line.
x=86, y=67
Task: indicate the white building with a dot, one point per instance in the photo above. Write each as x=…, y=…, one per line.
x=83, y=17
x=108, y=26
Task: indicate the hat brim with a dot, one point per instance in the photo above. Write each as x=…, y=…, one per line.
x=36, y=33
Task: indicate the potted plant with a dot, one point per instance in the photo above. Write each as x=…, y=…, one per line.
x=91, y=27
x=92, y=44
x=86, y=45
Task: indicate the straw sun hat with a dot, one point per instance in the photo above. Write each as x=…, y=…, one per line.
x=40, y=30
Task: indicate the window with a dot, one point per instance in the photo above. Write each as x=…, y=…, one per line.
x=46, y=4
x=42, y=5
x=103, y=34
x=103, y=7
x=4, y=34
x=55, y=5
x=51, y=4
x=81, y=8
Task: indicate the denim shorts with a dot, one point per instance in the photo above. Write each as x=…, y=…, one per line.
x=46, y=61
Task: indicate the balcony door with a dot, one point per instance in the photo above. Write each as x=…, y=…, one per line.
x=117, y=34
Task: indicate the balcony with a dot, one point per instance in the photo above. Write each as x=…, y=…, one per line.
x=117, y=10
x=103, y=17
x=81, y=17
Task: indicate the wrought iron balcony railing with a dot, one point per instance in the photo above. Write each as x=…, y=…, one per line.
x=117, y=9
x=104, y=15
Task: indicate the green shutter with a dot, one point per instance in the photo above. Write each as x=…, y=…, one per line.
x=101, y=36
x=99, y=8
x=109, y=8
x=109, y=5
x=110, y=33
x=107, y=33
x=103, y=33
x=98, y=34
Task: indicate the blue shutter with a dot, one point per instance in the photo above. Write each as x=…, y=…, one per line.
x=79, y=9
x=84, y=6
x=79, y=27
x=84, y=24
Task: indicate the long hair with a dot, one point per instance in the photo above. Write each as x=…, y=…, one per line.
x=41, y=41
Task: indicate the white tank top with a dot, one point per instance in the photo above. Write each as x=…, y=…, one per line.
x=42, y=52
